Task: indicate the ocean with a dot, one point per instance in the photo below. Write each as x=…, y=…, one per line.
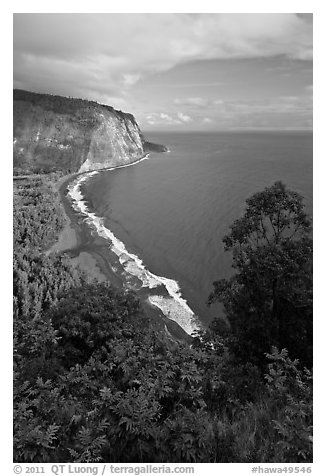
x=165, y=217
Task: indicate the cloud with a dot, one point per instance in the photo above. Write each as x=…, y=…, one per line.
x=130, y=79
x=195, y=84
x=161, y=118
x=184, y=117
x=280, y=105
x=191, y=102
x=166, y=118
x=156, y=118
x=198, y=104
x=277, y=112
x=99, y=54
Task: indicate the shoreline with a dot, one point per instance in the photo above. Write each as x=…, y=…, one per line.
x=90, y=253
x=77, y=241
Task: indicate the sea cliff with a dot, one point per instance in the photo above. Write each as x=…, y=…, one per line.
x=73, y=135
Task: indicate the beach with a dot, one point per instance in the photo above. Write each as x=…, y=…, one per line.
x=90, y=252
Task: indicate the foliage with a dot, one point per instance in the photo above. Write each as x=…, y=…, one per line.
x=292, y=389
x=95, y=382
x=269, y=301
x=54, y=133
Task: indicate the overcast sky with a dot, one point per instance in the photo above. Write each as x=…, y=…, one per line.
x=174, y=71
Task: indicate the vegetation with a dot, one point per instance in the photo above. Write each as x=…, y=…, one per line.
x=93, y=381
x=55, y=133
x=58, y=104
x=151, y=147
x=269, y=301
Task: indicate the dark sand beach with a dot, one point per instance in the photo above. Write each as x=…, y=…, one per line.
x=92, y=254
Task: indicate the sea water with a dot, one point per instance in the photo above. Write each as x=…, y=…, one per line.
x=165, y=217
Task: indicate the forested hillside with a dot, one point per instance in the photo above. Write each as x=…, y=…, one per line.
x=94, y=382
x=56, y=133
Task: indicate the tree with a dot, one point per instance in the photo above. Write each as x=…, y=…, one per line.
x=96, y=380
x=269, y=301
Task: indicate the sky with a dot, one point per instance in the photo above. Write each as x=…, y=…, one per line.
x=174, y=71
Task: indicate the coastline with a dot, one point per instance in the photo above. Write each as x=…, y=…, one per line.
x=84, y=249
x=91, y=254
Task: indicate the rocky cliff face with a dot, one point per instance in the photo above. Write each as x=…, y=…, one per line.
x=58, y=133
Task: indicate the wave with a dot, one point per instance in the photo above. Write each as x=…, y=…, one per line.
x=173, y=305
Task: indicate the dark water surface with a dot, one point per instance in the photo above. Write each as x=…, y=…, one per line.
x=174, y=209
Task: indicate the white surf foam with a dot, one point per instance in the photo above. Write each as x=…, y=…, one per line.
x=174, y=306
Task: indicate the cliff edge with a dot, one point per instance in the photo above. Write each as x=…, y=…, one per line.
x=73, y=135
